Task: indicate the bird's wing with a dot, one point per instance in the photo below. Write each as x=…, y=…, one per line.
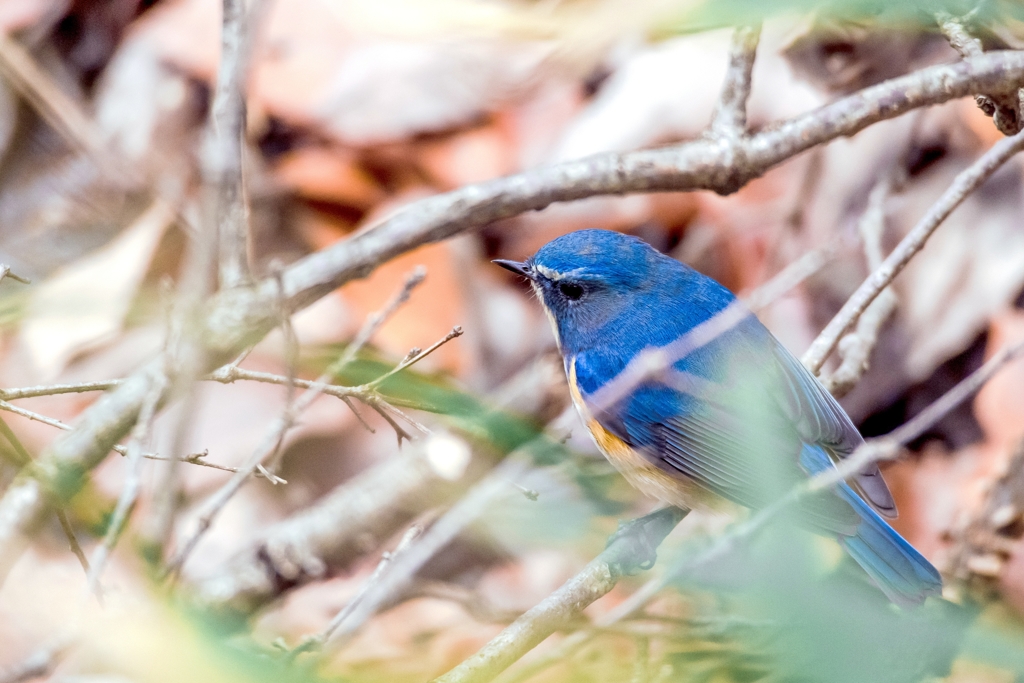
x=820, y=420
x=727, y=451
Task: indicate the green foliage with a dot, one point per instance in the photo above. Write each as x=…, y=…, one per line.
x=906, y=14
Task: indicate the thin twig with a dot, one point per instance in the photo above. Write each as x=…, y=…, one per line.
x=414, y=358
x=375, y=320
x=370, y=508
x=224, y=146
x=730, y=117
x=69, y=533
x=193, y=459
x=316, y=642
x=463, y=513
x=130, y=489
x=789, y=277
x=855, y=348
x=275, y=434
x=5, y=271
x=657, y=361
x=56, y=389
x=970, y=179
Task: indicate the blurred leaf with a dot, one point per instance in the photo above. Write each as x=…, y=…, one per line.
x=901, y=13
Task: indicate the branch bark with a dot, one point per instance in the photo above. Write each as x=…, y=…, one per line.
x=730, y=119
x=1003, y=107
x=224, y=146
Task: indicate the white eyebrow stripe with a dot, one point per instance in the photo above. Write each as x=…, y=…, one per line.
x=554, y=275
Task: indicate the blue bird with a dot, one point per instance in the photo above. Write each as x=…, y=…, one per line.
x=736, y=421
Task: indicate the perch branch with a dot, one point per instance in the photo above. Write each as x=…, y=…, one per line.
x=555, y=612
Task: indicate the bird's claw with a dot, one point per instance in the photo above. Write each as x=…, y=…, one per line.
x=636, y=541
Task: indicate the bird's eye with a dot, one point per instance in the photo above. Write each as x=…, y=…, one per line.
x=571, y=290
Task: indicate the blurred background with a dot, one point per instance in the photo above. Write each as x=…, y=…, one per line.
x=356, y=109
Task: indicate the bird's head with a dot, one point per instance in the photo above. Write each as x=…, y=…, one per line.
x=588, y=279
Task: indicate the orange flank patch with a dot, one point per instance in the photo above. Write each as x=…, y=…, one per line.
x=639, y=471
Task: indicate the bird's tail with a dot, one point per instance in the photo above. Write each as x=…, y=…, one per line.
x=902, y=573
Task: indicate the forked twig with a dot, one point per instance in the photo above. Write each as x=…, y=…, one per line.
x=970, y=179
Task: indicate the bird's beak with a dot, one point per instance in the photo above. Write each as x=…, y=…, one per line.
x=517, y=267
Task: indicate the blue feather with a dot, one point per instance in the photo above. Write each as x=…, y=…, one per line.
x=902, y=573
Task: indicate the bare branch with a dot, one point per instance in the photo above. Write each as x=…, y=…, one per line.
x=856, y=347
x=730, y=117
x=315, y=643
x=789, y=277
x=130, y=489
x=25, y=458
x=274, y=436
x=340, y=527
x=463, y=513
x=224, y=146
x=1003, y=107
x=868, y=453
x=193, y=459
x=363, y=512
x=55, y=389
x=375, y=320
x=37, y=665
x=714, y=165
x=659, y=361
x=966, y=182
x=556, y=611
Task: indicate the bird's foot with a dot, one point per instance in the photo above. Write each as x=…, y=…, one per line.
x=634, y=546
